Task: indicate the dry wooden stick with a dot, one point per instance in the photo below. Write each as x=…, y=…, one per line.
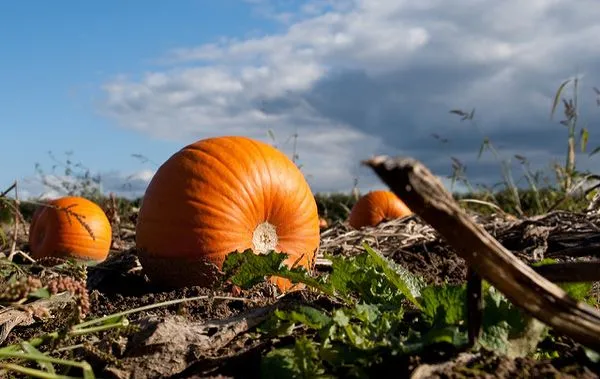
x=568, y=272
x=576, y=251
x=544, y=300
x=474, y=306
x=13, y=245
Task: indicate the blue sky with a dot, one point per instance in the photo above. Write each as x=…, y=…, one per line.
x=58, y=54
x=352, y=77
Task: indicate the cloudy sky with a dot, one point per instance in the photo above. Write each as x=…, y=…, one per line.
x=350, y=78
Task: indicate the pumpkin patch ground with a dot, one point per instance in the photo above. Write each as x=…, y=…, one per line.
x=356, y=321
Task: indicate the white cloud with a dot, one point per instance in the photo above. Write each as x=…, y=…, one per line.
x=125, y=185
x=356, y=78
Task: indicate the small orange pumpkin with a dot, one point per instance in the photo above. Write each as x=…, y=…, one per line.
x=376, y=207
x=323, y=224
x=221, y=195
x=60, y=233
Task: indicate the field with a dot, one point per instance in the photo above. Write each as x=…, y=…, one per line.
x=254, y=333
x=397, y=296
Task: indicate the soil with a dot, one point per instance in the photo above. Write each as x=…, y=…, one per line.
x=214, y=337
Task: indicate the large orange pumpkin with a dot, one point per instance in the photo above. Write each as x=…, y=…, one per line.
x=376, y=207
x=221, y=195
x=59, y=230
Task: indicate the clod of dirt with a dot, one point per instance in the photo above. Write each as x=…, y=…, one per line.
x=12, y=317
x=167, y=345
x=488, y=365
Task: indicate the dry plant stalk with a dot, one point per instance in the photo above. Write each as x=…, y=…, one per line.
x=426, y=196
x=18, y=217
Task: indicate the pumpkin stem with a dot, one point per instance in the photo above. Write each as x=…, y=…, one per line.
x=264, y=238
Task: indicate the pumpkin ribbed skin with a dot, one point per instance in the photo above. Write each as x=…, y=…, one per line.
x=57, y=233
x=221, y=195
x=376, y=207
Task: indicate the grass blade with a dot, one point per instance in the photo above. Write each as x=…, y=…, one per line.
x=557, y=96
x=29, y=348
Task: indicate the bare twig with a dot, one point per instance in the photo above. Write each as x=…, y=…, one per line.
x=474, y=306
x=6, y=191
x=13, y=245
x=13, y=204
x=426, y=196
x=491, y=205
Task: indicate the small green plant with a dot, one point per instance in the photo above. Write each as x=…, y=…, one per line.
x=384, y=312
x=541, y=192
x=335, y=206
x=571, y=112
x=14, y=357
x=487, y=144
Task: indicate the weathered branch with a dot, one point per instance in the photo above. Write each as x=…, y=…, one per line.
x=426, y=196
x=474, y=306
x=568, y=272
x=576, y=251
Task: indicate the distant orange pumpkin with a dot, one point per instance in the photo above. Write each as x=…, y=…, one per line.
x=376, y=207
x=221, y=195
x=323, y=223
x=58, y=233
